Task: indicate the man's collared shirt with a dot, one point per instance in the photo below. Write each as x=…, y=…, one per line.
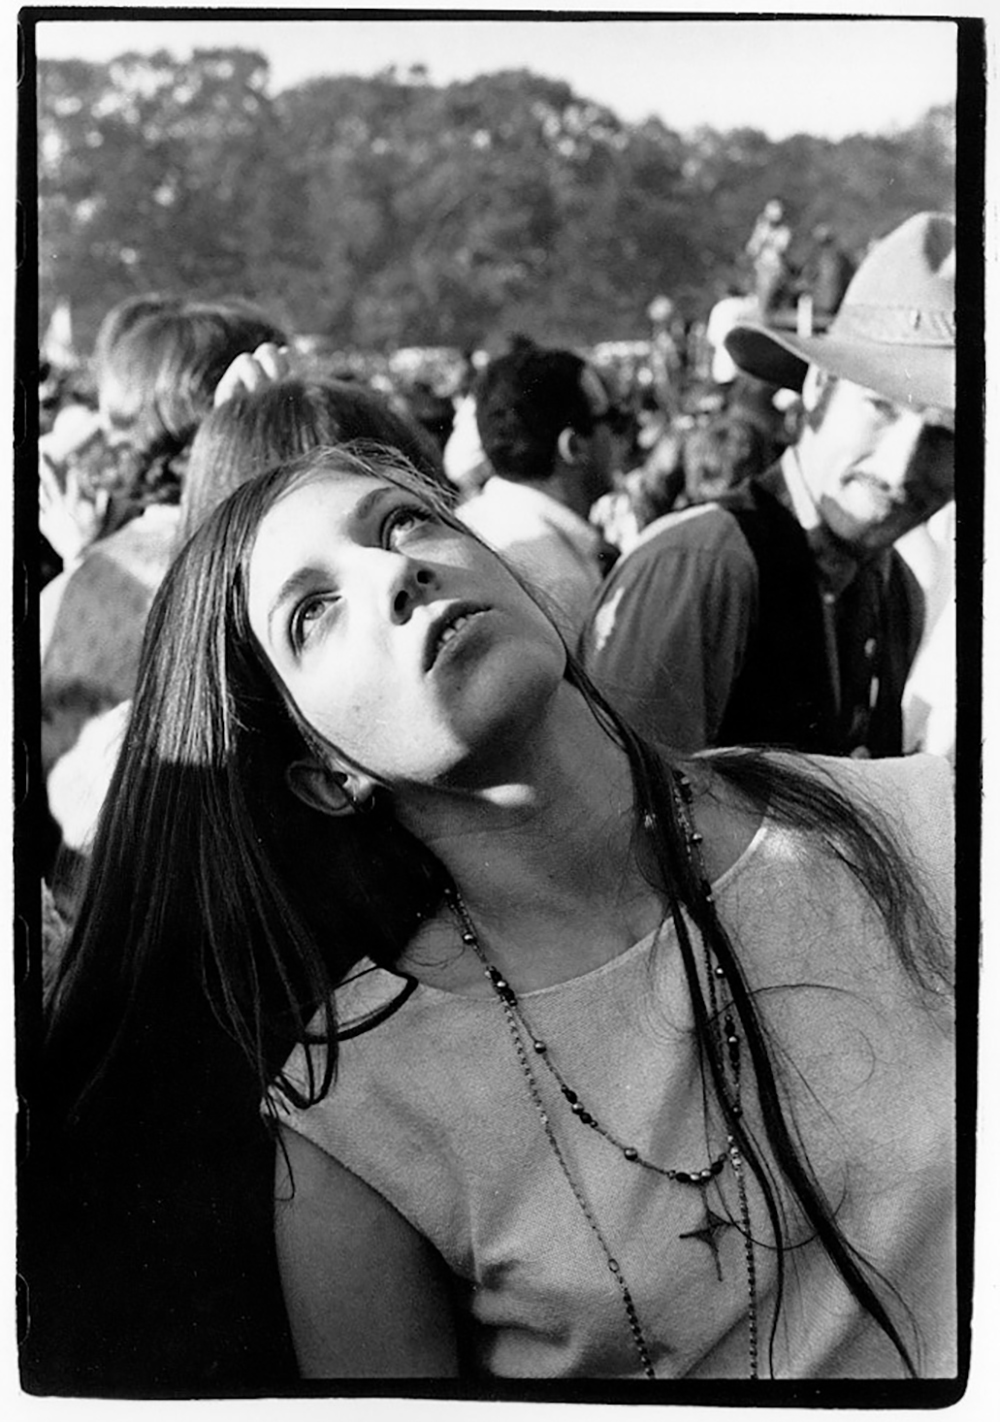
x=555, y=549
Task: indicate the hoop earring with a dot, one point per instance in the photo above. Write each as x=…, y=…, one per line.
x=363, y=805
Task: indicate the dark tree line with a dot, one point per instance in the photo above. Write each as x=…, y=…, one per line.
x=389, y=211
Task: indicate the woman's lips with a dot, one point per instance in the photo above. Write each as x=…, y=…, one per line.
x=446, y=629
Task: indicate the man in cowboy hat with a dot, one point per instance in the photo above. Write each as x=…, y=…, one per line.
x=781, y=614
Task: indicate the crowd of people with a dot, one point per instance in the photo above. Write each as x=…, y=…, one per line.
x=496, y=854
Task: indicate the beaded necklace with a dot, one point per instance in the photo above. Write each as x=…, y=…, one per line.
x=529, y=1047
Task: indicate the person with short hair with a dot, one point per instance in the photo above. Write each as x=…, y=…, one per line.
x=781, y=614
x=546, y=425
x=158, y=361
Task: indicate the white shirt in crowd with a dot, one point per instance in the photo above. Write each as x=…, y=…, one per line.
x=552, y=546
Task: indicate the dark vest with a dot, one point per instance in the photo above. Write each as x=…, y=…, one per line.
x=822, y=679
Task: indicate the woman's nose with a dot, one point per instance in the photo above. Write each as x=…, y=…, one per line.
x=411, y=583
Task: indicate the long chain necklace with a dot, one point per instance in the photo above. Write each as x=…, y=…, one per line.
x=528, y=1047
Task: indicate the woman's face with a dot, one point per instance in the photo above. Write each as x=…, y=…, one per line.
x=402, y=641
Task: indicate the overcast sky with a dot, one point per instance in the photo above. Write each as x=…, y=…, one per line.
x=825, y=77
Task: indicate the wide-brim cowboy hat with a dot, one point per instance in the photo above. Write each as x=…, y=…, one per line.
x=894, y=331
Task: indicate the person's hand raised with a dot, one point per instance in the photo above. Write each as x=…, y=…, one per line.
x=70, y=514
x=253, y=370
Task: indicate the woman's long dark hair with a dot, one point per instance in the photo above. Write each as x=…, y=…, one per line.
x=267, y=903
x=256, y=429
x=207, y=870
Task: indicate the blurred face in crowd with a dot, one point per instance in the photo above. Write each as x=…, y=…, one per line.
x=875, y=469
x=718, y=458
x=404, y=642
x=118, y=407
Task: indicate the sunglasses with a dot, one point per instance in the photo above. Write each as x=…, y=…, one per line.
x=619, y=420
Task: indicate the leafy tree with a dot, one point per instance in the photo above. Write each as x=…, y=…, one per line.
x=389, y=211
x=143, y=167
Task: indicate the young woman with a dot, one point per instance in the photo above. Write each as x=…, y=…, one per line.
x=583, y=1064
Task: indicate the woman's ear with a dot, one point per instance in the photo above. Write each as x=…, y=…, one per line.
x=332, y=792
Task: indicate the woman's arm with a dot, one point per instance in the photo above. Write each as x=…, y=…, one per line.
x=367, y=1296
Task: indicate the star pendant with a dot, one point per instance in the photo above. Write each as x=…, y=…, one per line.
x=706, y=1234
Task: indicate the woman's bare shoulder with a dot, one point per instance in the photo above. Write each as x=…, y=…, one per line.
x=725, y=817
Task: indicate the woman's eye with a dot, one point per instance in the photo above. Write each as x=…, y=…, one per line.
x=306, y=615
x=403, y=520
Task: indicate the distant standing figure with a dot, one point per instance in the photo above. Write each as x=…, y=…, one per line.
x=665, y=360
x=767, y=250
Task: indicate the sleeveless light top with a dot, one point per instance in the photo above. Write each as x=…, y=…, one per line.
x=432, y=1109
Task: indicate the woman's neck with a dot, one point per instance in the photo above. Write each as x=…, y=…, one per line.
x=542, y=856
